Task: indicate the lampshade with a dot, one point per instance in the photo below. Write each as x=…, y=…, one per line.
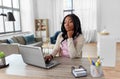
x=10, y=16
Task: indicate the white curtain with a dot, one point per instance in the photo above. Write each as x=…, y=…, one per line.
x=58, y=14
x=86, y=10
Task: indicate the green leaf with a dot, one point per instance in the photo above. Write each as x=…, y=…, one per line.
x=2, y=54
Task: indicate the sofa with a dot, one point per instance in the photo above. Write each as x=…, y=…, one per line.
x=9, y=44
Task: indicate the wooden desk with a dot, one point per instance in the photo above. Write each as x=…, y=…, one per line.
x=19, y=70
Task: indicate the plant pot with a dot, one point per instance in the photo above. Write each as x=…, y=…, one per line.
x=2, y=61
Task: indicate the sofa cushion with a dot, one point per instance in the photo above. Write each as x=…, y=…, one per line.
x=4, y=41
x=54, y=37
x=20, y=39
x=29, y=39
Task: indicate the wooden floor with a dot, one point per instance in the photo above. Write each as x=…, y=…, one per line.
x=109, y=72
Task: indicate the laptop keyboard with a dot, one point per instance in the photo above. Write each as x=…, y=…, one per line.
x=50, y=63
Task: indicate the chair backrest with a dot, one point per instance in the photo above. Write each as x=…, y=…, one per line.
x=56, y=34
x=54, y=37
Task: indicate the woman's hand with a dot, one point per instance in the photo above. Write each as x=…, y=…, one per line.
x=48, y=58
x=70, y=33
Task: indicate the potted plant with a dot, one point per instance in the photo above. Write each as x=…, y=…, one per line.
x=2, y=59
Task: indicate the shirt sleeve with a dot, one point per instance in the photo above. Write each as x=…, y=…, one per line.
x=56, y=48
x=75, y=50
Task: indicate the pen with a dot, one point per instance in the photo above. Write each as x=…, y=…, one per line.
x=89, y=60
x=93, y=63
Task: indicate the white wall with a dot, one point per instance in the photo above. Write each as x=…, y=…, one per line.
x=109, y=16
x=36, y=9
x=44, y=10
x=27, y=15
x=40, y=9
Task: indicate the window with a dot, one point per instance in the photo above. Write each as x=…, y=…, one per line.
x=10, y=6
x=68, y=7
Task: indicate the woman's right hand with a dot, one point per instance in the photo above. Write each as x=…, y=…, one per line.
x=48, y=58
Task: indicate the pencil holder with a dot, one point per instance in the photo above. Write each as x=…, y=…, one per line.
x=96, y=71
x=2, y=61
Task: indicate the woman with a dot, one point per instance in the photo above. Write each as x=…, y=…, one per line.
x=70, y=41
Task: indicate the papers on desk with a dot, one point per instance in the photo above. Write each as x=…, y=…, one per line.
x=79, y=72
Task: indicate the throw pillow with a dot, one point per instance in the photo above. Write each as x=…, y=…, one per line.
x=14, y=39
x=10, y=41
x=29, y=38
x=20, y=39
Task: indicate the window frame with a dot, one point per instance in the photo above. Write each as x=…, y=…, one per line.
x=71, y=10
x=13, y=23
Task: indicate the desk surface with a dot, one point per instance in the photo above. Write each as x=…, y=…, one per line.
x=19, y=70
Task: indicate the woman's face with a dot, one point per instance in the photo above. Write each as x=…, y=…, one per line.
x=68, y=24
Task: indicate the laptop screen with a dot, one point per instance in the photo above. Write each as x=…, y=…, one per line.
x=32, y=55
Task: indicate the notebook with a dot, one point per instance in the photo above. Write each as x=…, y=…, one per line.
x=34, y=56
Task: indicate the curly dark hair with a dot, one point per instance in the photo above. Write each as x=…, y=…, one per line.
x=77, y=27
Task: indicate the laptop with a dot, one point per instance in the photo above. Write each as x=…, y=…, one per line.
x=34, y=56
